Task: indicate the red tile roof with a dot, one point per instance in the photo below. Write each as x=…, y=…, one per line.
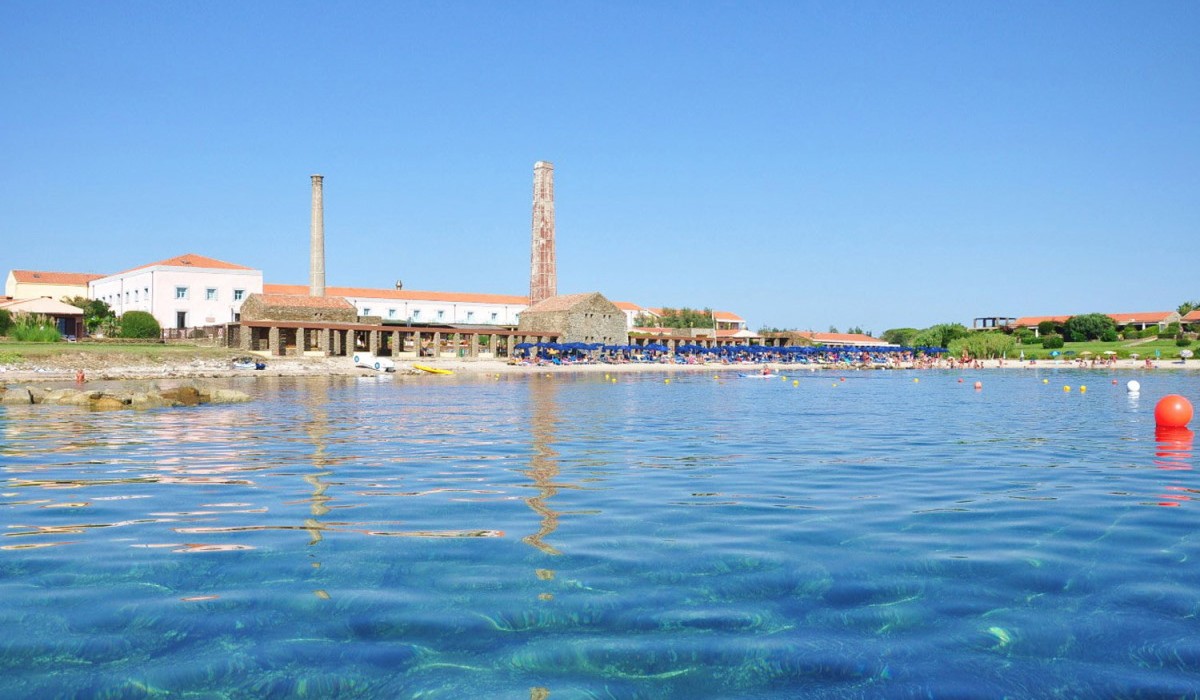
x=841, y=338
x=726, y=316
x=401, y=295
x=37, y=277
x=1143, y=317
x=192, y=260
x=1120, y=319
x=1031, y=321
x=628, y=306
x=1192, y=316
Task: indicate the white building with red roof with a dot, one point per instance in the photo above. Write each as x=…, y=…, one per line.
x=34, y=284
x=437, y=308
x=181, y=292
x=1139, y=320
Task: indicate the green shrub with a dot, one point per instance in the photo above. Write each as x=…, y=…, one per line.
x=139, y=324
x=1047, y=328
x=1052, y=341
x=1182, y=342
x=33, y=328
x=6, y=321
x=1023, y=335
x=1109, y=336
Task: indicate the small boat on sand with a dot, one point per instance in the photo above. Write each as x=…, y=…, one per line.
x=432, y=370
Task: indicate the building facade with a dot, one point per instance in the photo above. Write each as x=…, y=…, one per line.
x=577, y=318
x=182, y=292
x=400, y=306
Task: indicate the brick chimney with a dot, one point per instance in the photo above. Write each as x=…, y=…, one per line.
x=543, y=277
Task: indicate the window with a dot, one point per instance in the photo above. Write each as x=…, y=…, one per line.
x=366, y=311
x=126, y=297
x=416, y=314
x=470, y=315
x=391, y=313
x=238, y=294
x=146, y=293
x=181, y=293
x=210, y=294
x=441, y=314
x=135, y=295
x=495, y=315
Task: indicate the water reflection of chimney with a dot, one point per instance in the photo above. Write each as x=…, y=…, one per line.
x=317, y=429
x=543, y=463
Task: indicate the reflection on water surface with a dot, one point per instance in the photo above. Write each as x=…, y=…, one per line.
x=569, y=537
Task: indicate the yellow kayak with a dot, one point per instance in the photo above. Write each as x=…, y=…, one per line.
x=432, y=370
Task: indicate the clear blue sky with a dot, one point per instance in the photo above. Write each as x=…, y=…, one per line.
x=803, y=164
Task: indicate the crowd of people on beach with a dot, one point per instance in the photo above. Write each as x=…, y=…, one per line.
x=543, y=354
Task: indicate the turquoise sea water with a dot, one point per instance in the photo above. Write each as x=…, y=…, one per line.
x=570, y=537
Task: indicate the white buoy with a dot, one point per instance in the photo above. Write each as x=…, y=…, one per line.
x=1132, y=386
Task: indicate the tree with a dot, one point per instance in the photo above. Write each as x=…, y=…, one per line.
x=941, y=335
x=833, y=329
x=1089, y=327
x=682, y=318
x=96, y=313
x=1047, y=327
x=6, y=321
x=983, y=345
x=1052, y=340
x=139, y=324
x=900, y=336
x=1188, y=307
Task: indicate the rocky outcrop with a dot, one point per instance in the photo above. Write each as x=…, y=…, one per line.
x=110, y=399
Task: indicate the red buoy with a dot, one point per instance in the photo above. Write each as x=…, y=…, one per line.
x=1172, y=411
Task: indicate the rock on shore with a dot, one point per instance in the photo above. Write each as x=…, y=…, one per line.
x=192, y=394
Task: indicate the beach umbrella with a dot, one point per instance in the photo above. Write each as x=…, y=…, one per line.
x=1054, y=353
x=1110, y=352
x=1134, y=355
x=1185, y=354
x=1086, y=352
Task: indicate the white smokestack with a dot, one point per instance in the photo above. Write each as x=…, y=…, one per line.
x=316, y=258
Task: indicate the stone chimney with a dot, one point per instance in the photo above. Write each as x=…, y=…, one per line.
x=543, y=277
x=316, y=258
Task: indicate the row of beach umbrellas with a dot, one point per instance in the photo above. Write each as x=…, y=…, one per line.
x=727, y=350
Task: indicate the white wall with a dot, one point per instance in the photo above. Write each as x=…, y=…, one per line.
x=153, y=289
x=438, y=311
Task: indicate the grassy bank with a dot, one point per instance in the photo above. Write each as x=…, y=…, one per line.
x=13, y=352
x=1123, y=348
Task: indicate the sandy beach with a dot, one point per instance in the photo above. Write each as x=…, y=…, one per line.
x=103, y=367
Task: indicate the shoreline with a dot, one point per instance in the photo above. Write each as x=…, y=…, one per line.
x=53, y=369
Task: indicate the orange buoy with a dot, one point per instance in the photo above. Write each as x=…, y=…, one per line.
x=1172, y=411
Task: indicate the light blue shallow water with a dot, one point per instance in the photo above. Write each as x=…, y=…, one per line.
x=453, y=537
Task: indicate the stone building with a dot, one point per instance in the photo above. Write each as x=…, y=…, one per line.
x=577, y=318
x=297, y=307
x=291, y=324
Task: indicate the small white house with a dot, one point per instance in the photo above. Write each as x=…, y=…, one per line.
x=183, y=292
